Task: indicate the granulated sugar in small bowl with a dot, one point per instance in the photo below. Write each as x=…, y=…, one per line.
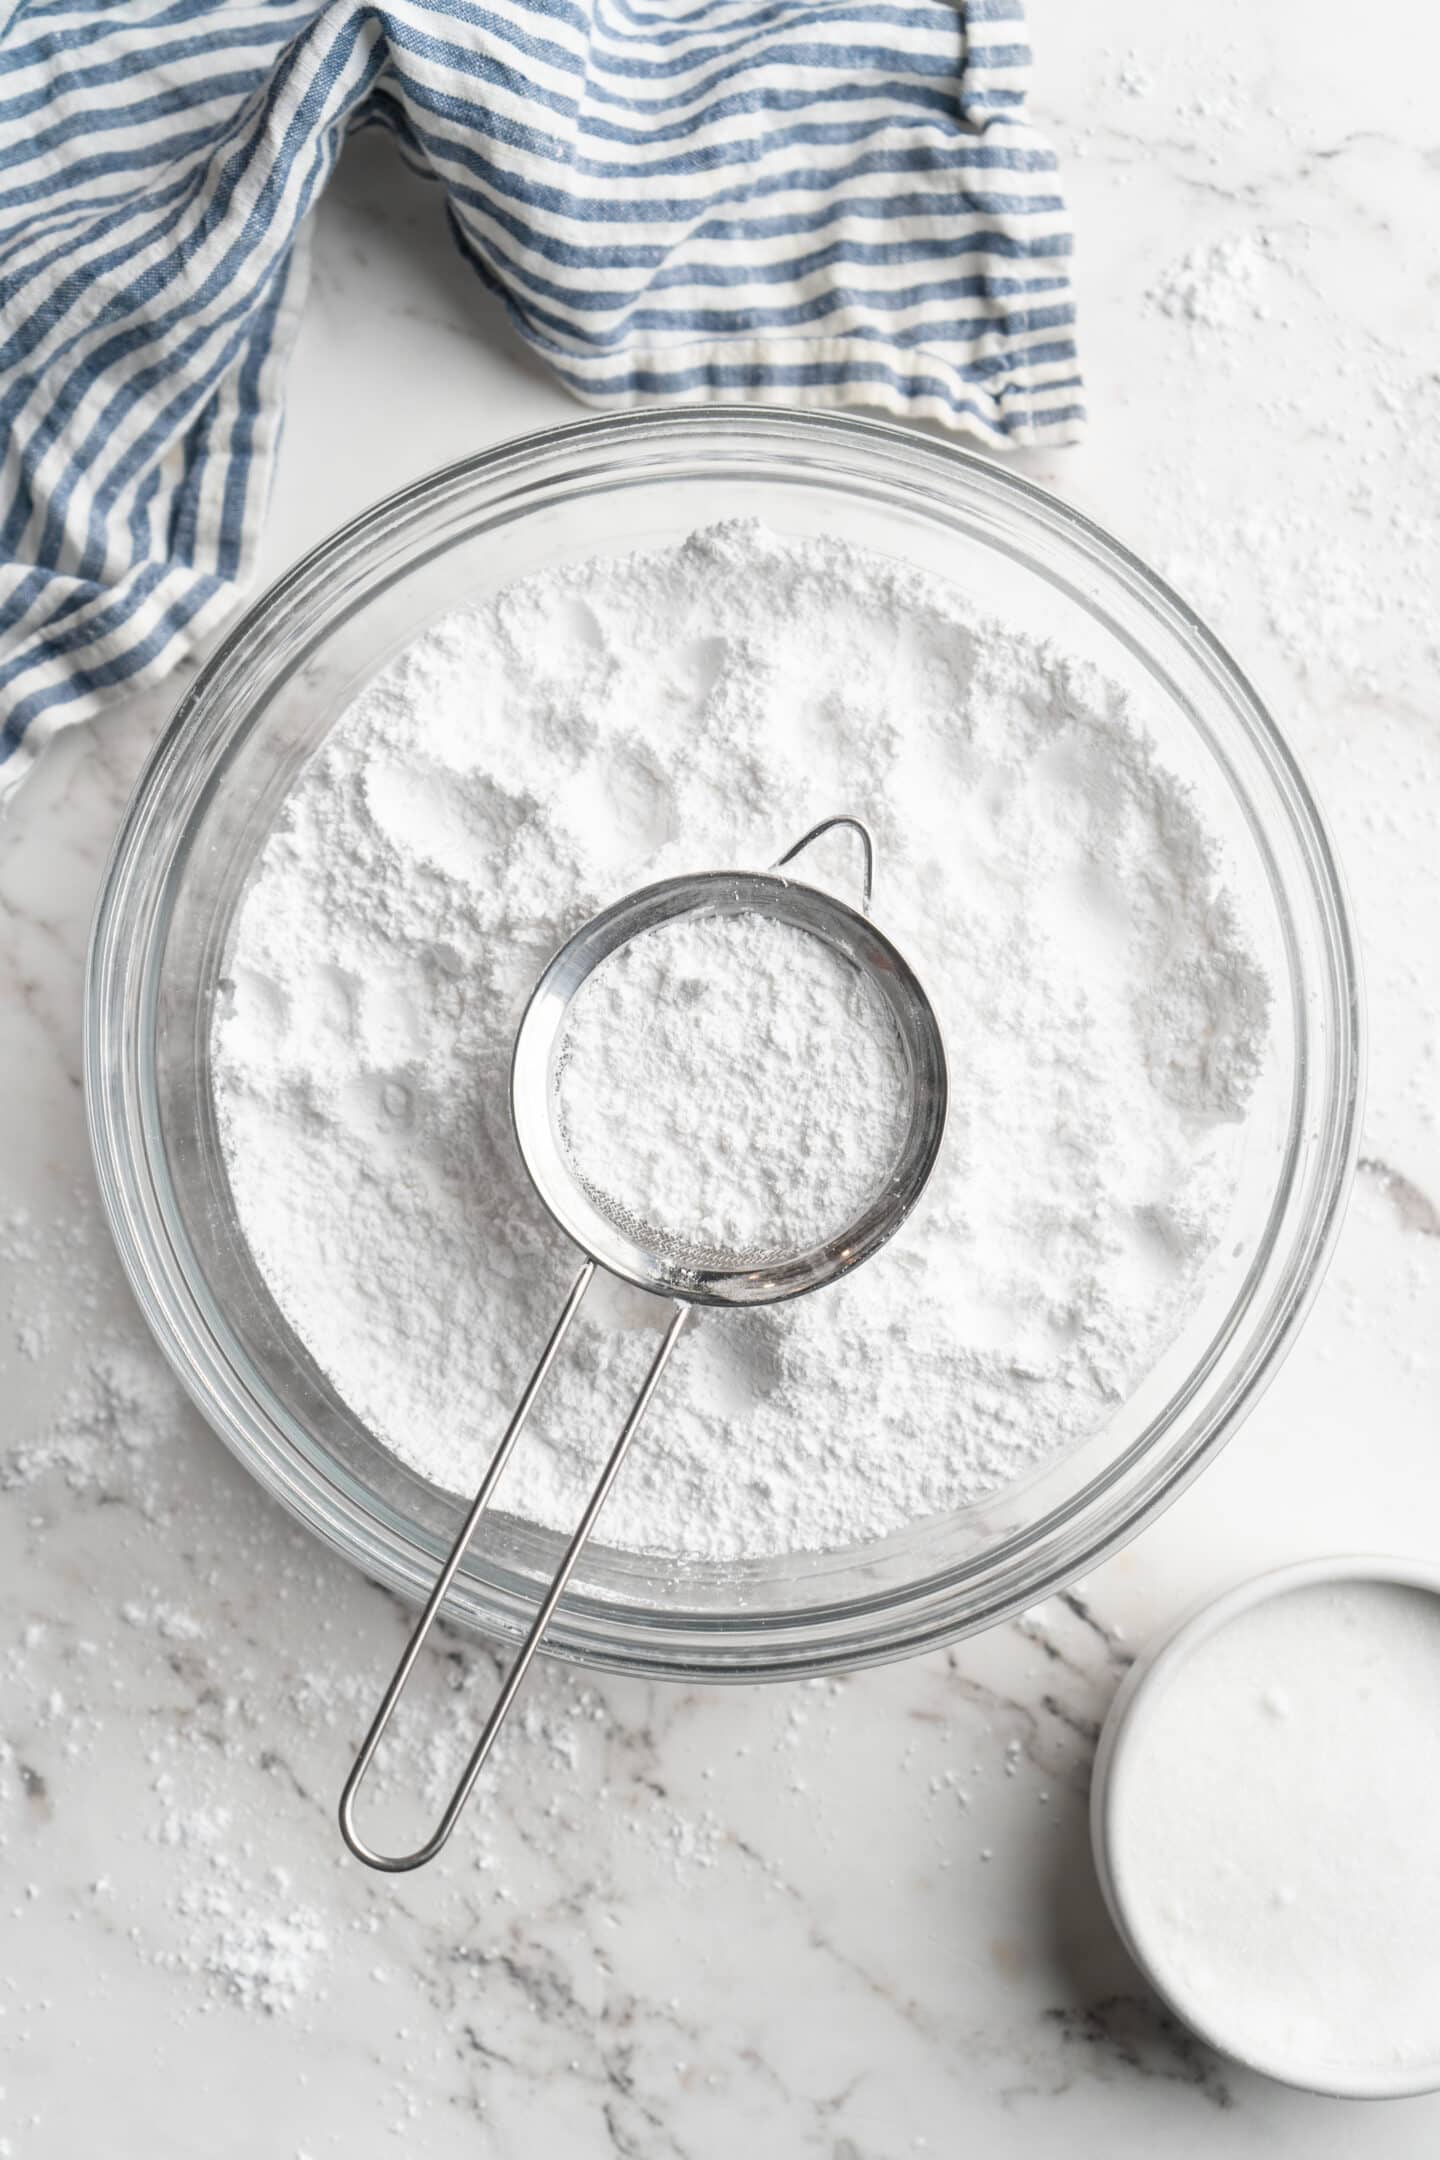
x=644, y=647
x=1263, y=1812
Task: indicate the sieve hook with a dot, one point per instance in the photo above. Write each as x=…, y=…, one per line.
x=398, y=1863
x=817, y=832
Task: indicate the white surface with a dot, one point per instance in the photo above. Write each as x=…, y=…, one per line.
x=752, y=1921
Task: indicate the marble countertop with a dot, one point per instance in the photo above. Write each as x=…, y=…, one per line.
x=854, y=1920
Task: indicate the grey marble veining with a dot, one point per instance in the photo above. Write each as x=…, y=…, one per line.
x=855, y=1920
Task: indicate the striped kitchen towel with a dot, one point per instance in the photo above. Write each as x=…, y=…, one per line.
x=799, y=201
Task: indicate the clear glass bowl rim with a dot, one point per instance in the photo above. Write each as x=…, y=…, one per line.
x=673, y=1644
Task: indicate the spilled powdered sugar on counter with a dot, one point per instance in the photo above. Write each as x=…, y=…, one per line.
x=590, y=730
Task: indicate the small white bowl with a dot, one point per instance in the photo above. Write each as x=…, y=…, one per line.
x=1121, y=1742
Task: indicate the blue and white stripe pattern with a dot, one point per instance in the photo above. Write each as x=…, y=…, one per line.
x=801, y=201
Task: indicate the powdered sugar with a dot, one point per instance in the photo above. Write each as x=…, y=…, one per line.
x=528, y=761
x=1219, y=286
x=254, y=1942
x=734, y=1085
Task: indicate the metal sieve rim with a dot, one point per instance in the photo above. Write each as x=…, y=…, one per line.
x=634, y=1255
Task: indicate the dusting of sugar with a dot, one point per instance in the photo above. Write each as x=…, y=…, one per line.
x=1133, y=78
x=1217, y=287
x=251, y=1941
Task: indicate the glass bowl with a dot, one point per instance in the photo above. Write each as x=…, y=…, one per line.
x=208, y=798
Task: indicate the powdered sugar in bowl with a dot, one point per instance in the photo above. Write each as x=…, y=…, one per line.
x=210, y=800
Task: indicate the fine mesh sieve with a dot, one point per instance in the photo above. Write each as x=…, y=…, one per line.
x=664, y=1265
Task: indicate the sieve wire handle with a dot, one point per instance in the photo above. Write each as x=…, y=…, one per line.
x=398, y=1863
x=817, y=832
